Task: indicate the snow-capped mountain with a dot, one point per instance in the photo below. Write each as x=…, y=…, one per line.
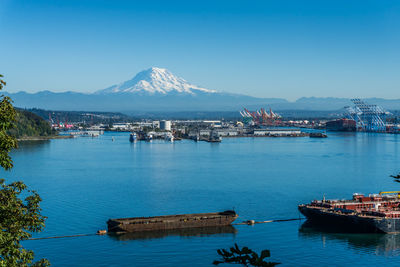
x=154, y=89
x=155, y=81
x=157, y=89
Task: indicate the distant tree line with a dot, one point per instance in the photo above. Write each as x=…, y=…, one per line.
x=30, y=124
x=82, y=117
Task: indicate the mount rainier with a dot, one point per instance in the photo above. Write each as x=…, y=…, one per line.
x=155, y=80
x=157, y=89
x=154, y=89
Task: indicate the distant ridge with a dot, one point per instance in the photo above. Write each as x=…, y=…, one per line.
x=157, y=89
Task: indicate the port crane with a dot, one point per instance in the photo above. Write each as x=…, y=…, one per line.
x=260, y=117
x=369, y=118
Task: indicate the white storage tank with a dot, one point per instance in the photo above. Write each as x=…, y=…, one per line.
x=165, y=125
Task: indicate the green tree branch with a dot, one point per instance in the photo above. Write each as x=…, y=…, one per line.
x=18, y=217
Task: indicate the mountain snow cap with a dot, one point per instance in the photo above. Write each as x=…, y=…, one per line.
x=156, y=80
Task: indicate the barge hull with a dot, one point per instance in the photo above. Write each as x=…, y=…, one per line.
x=171, y=222
x=351, y=222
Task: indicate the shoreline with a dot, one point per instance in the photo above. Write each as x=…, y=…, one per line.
x=41, y=138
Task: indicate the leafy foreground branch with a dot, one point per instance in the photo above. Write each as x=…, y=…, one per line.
x=244, y=256
x=18, y=217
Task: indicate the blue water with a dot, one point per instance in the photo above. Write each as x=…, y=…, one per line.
x=85, y=181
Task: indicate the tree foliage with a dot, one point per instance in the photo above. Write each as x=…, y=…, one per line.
x=7, y=118
x=30, y=124
x=18, y=217
x=244, y=256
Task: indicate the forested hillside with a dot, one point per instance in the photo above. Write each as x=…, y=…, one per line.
x=29, y=124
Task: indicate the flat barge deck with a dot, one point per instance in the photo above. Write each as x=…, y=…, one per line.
x=168, y=222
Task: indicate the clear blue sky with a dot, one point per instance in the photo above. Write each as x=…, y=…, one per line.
x=263, y=48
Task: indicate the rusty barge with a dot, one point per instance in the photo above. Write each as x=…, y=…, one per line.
x=377, y=213
x=168, y=222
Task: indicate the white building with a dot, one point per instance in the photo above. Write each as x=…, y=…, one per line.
x=145, y=124
x=204, y=132
x=165, y=125
x=227, y=132
x=156, y=124
x=214, y=124
x=122, y=126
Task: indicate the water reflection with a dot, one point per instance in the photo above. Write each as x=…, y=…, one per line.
x=32, y=145
x=369, y=243
x=184, y=233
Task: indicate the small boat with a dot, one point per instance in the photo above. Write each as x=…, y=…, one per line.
x=101, y=232
x=318, y=135
x=214, y=138
x=132, y=137
x=169, y=137
x=168, y=222
x=149, y=137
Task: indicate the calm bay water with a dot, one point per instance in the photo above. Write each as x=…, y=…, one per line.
x=85, y=181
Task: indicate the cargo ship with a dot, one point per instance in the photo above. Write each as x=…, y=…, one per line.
x=168, y=222
x=341, y=125
x=376, y=213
